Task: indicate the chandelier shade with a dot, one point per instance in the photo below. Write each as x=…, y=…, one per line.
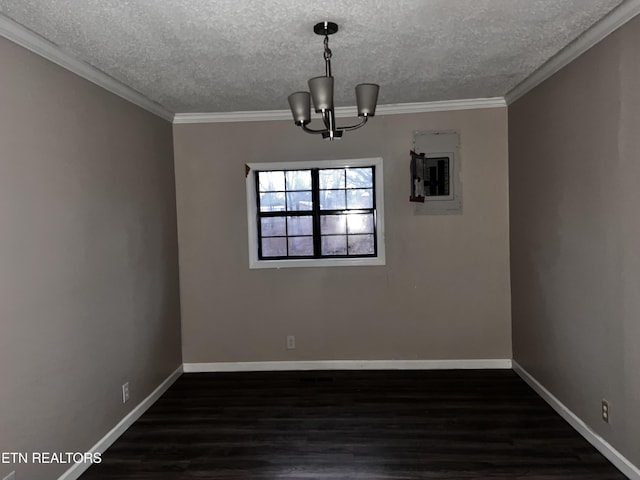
x=321, y=89
x=322, y=93
x=367, y=98
x=300, y=103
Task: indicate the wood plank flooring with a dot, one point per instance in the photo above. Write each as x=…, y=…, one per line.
x=352, y=425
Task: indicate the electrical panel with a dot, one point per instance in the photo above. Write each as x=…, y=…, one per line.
x=436, y=188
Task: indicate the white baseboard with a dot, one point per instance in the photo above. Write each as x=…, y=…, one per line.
x=604, y=447
x=105, y=442
x=347, y=365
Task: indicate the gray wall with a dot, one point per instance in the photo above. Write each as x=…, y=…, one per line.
x=88, y=259
x=443, y=294
x=575, y=235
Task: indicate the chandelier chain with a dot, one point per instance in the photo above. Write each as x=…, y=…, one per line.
x=327, y=50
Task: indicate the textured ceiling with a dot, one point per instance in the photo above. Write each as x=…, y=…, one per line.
x=247, y=55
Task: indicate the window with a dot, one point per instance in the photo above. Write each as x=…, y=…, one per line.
x=325, y=213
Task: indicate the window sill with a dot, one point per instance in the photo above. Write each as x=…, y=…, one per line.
x=320, y=262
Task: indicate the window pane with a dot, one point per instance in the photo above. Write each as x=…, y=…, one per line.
x=360, y=177
x=300, y=225
x=300, y=246
x=361, y=245
x=299, y=201
x=360, y=198
x=272, y=202
x=273, y=227
x=334, y=245
x=271, y=181
x=332, y=200
x=332, y=224
x=274, y=247
x=298, y=179
x=332, y=178
x=357, y=223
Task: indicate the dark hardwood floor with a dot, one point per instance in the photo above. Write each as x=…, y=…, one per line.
x=373, y=425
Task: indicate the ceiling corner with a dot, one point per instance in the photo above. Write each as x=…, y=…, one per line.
x=600, y=30
x=24, y=37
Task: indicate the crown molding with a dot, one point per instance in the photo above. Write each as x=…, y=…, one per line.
x=441, y=106
x=614, y=20
x=221, y=117
x=391, y=109
x=24, y=37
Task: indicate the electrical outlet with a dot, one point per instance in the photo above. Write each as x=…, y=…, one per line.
x=125, y=392
x=11, y=476
x=291, y=342
x=606, y=410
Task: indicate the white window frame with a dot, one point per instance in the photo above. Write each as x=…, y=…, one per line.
x=255, y=262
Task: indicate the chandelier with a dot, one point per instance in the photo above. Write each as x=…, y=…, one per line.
x=322, y=95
